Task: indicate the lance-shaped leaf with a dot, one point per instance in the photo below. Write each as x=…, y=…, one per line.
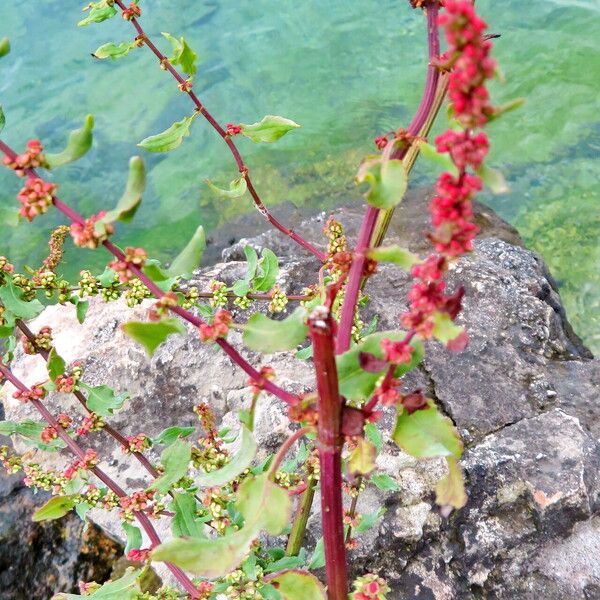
x=268, y=270
x=362, y=458
x=125, y=588
x=242, y=286
x=241, y=459
x=102, y=400
x=55, y=508
x=427, y=433
x=268, y=129
x=134, y=537
x=494, y=179
x=11, y=297
x=79, y=142
x=4, y=46
x=267, y=335
x=369, y=520
x=297, y=585
x=185, y=523
x=113, y=51
x=188, y=260
x=384, y=482
x=237, y=188
x=395, y=254
x=169, y=139
x=56, y=364
x=175, y=459
x=132, y=196
x=356, y=383
x=31, y=432
x=263, y=505
x=387, y=179
x=170, y=434
x=450, y=491
x=441, y=159
x=152, y=334
x=183, y=55
x=98, y=12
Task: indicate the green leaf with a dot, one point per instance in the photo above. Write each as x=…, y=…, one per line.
x=183, y=55
x=113, y=51
x=268, y=592
x=385, y=483
x=494, y=179
x=356, y=384
x=298, y=585
x=11, y=297
x=388, y=181
x=239, y=462
x=79, y=142
x=56, y=364
x=185, y=523
x=152, y=334
x=98, y=12
x=305, y=353
x=188, y=260
x=441, y=159
x=374, y=436
x=264, y=506
x=395, y=254
x=31, y=432
x=170, y=434
x=125, y=588
x=82, y=509
x=444, y=328
x=169, y=139
x=237, y=188
x=81, y=309
x=450, y=491
x=317, y=560
x=362, y=458
x=267, y=335
x=2, y=119
x=4, y=46
x=268, y=129
x=55, y=508
x=369, y=520
x=427, y=433
x=175, y=459
x=102, y=400
x=268, y=269
x=242, y=286
x=130, y=200
x=107, y=277
x=134, y=537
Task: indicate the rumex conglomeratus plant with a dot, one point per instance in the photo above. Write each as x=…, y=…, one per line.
x=220, y=503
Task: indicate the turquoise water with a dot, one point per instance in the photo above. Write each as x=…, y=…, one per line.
x=346, y=71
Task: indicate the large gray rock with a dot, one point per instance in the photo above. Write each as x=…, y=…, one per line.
x=524, y=396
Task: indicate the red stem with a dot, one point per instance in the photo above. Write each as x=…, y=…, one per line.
x=76, y=449
x=235, y=356
x=227, y=138
x=370, y=219
x=330, y=441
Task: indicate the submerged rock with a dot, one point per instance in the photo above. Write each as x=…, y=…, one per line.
x=524, y=395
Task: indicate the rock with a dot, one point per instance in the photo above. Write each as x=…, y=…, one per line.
x=39, y=559
x=523, y=394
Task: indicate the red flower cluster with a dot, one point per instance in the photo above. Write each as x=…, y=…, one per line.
x=64, y=420
x=139, y=554
x=137, y=443
x=37, y=392
x=32, y=158
x=89, y=461
x=381, y=142
x=48, y=434
x=67, y=383
x=162, y=305
x=233, y=129
x=396, y=353
x=132, y=11
x=465, y=148
x=138, y=501
x=133, y=257
x=87, y=235
x=369, y=587
x=257, y=385
x=93, y=422
x=35, y=197
x=219, y=328
x=469, y=54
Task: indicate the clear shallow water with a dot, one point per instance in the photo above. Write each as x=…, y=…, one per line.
x=346, y=71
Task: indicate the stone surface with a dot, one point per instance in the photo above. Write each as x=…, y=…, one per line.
x=524, y=396
x=39, y=559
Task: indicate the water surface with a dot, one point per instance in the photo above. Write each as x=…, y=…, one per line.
x=346, y=71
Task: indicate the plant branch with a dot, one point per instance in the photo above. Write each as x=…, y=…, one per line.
x=243, y=169
x=285, y=447
x=298, y=530
x=78, y=451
